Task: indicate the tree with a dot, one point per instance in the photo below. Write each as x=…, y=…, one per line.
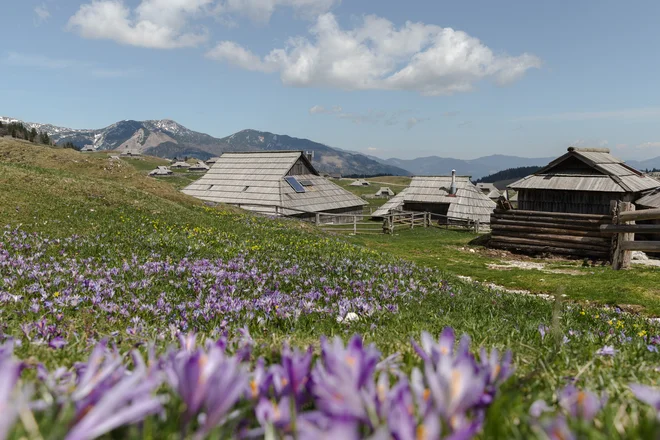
x=33, y=135
x=45, y=139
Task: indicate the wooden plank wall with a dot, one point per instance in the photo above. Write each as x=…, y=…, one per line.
x=537, y=232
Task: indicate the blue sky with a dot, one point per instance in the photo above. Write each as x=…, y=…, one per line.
x=389, y=78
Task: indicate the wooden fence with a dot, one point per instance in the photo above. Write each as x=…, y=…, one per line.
x=623, y=230
x=354, y=223
x=550, y=232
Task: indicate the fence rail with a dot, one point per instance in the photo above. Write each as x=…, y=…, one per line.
x=623, y=232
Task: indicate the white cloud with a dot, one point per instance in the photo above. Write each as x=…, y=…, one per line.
x=372, y=116
x=262, y=10
x=33, y=61
x=376, y=55
x=633, y=113
x=647, y=145
x=36, y=61
x=239, y=57
x=42, y=14
x=158, y=24
x=372, y=149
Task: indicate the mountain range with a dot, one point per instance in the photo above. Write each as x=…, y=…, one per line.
x=167, y=138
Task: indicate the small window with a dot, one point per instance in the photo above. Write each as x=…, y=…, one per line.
x=306, y=183
x=297, y=187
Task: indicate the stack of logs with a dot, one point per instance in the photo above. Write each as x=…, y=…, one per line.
x=537, y=232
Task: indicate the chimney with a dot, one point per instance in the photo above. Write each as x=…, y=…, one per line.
x=309, y=155
x=452, y=188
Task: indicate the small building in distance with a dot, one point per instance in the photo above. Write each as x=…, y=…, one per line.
x=88, y=149
x=360, y=182
x=130, y=153
x=199, y=167
x=211, y=161
x=180, y=165
x=582, y=181
x=161, y=171
x=335, y=176
x=384, y=191
x=275, y=183
x=454, y=197
x=489, y=190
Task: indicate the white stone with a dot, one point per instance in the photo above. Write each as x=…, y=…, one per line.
x=350, y=316
x=639, y=255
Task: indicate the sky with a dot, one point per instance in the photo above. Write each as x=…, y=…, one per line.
x=409, y=79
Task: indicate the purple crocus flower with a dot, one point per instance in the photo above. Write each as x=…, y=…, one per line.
x=57, y=342
x=277, y=414
x=10, y=371
x=580, y=403
x=557, y=429
x=128, y=401
x=296, y=366
x=455, y=386
x=339, y=381
x=543, y=330
x=646, y=394
x=607, y=350
x=226, y=385
x=538, y=408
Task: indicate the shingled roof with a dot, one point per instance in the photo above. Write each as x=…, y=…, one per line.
x=255, y=179
x=587, y=169
x=468, y=203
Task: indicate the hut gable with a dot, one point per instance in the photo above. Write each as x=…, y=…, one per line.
x=253, y=180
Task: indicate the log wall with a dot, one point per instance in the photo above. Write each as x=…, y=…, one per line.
x=537, y=232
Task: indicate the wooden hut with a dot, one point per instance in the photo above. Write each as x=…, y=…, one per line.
x=582, y=181
x=489, y=190
x=384, y=191
x=199, y=167
x=277, y=183
x=161, y=171
x=451, y=196
x=180, y=165
x=562, y=206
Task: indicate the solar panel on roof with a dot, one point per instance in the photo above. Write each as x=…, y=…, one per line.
x=297, y=187
x=306, y=183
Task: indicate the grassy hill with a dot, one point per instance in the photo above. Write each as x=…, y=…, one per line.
x=93, y=250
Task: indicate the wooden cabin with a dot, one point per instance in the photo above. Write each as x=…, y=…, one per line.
x=582, y=181
x=453, y=196
x=276, y=183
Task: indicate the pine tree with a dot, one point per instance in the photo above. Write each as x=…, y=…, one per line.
x=33, y=135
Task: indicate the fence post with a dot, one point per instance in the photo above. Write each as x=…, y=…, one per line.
x=355, y=225
x=476, y=226
x=620, y=257
x=318, y=219
x=412, y=220
x=277, y=211
x=391, y=224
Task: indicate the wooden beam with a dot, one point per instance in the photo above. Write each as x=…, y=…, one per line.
x=548, y=219
x=554, y=214
x=549, y=243
x=645, y=246
x=621, y=257
x=543, y=230
x=603, y=241
x=542, y=224
x=644, y=214
x=619, y=229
